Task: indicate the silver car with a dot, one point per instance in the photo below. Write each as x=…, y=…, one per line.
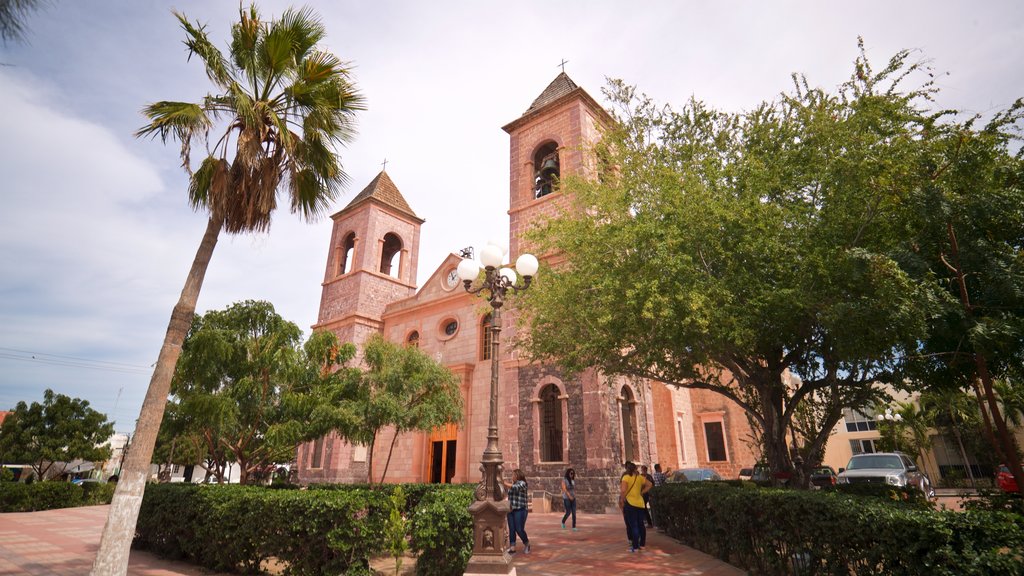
x=892, y=468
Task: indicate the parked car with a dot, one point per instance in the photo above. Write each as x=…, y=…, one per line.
x=762, y=473
x=823, y=477
x=693, y=475
x=892, y=468
x=746, y=473
x=1005, y=479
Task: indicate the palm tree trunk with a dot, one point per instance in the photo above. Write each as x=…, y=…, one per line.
x=112, y=556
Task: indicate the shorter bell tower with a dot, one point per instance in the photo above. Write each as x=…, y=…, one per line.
x=371, y=262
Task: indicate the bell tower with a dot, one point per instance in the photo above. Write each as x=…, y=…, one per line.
x=551, y=140
x=371, y=262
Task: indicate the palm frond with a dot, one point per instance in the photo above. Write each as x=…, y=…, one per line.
x=245, y=35
x=305, y=29
x=179, y=120
x=198, y=43
x=206, y=181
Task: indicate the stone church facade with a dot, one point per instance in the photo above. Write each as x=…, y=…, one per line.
x=547, y=421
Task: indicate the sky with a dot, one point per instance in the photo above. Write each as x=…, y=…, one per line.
x=96, y=235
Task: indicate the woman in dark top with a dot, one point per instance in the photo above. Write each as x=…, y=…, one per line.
x=569, y=497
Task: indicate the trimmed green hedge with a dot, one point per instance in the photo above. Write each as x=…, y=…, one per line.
x=442, y=532
x=20, y=497
x=771, y=531
x=329, y=530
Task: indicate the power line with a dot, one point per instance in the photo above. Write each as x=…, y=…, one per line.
x=71, y=361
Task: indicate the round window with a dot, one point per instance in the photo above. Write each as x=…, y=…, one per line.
x=451, y=327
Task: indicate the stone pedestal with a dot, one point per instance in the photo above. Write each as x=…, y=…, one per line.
x=490, y=538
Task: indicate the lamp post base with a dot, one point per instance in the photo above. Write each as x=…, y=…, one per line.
x=490, y=538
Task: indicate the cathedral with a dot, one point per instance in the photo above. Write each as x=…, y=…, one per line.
x=548, y=421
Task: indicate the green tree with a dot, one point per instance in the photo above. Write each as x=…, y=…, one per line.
x=904, y=427
x=750, y=254
x=407, y=390
x=401, y=388
x=234, y=367
x=50, y=435
x=281, y=109
x=179, y=441
x=966, y=227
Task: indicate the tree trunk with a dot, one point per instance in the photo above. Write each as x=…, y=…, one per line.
x=112, y=556
x=1009, y=448
x=369, y=460
x=776, y=449
x=388, y=461
x=960, y=443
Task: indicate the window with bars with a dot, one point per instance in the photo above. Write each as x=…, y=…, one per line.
x=862, y=446
x=551, y=424
x=861, y=420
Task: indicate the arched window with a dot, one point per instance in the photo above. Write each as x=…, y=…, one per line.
x=390, y=255
x=413, y=339
x=546, y=170
x=348, y=252
x=550, y=424
x=485, y=337
x=630, y=439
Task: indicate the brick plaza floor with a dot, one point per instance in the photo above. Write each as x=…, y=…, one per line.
x=64, y=542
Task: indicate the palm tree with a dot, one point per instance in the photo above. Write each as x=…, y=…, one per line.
x=284, y=107
x=13, y=14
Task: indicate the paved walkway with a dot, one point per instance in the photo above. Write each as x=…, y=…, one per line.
x=600, y=547
x=64, y=543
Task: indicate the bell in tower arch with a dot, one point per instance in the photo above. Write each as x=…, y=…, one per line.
x=548, y=170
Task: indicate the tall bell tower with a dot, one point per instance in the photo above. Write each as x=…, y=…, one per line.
x=551, y=140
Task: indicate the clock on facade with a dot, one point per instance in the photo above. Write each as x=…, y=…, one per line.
x=451, y=280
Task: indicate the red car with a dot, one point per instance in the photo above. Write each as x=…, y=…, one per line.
x=1005, y=480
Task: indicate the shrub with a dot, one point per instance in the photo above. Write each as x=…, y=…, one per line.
x=18, y=497
x=997, y=501
x=442, y=532
x=772, y=531
x=323, y=531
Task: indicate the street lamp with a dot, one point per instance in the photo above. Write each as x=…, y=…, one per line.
x=890, y=416
x=490, y=506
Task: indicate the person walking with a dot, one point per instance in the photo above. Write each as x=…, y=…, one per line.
x=569, y=497
x=631, y=499
x=647, y=497
x=659, y=479
x=517, y=500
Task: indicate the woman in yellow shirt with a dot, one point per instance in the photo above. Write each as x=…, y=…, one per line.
x=631, y=501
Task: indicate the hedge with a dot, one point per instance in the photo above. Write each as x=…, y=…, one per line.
x=21, y=497
x=442, y=532
x=312, y=532
x=772, y=531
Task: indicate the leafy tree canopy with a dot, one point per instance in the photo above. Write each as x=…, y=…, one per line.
x=235, y=366
x=753, y=254
x=54, y=433
x=400, y=388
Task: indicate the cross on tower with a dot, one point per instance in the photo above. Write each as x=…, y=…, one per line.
x=384, y=164
x=564, y=62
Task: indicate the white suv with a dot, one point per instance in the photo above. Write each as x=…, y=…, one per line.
x=892, y=468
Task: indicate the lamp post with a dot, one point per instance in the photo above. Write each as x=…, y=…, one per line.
x=892, y=418
x=490, y=506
